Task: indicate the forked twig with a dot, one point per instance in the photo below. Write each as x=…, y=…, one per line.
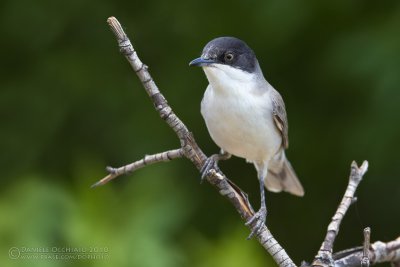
x=324, y=255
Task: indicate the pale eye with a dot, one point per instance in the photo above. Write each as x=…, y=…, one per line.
x=228, y=57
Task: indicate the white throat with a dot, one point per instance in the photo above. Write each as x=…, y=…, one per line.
x=225, y=78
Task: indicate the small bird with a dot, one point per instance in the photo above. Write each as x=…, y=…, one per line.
x=246, y=117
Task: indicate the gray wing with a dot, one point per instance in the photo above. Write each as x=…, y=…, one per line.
x=280, y=117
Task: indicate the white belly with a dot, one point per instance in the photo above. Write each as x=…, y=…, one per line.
x=240, y=122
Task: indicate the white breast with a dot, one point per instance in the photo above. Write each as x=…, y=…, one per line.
x=238, y=114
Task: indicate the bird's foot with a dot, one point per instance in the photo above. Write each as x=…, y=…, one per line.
x=209, y=164
x=212, y=163
x=259, y=221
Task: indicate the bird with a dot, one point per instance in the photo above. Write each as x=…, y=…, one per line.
x=246, y=117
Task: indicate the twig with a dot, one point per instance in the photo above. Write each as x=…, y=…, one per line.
x=365, y=256
x=147, y=160
x=190, y=149
x=324, y=255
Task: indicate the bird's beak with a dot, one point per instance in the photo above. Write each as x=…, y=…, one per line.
x=199, y=62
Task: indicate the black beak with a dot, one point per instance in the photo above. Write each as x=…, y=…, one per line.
x=201, y=62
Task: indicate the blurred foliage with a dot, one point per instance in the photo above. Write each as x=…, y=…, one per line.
x=70, y=105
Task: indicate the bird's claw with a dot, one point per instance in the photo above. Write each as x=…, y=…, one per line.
x=259, y=217
x=211, y=163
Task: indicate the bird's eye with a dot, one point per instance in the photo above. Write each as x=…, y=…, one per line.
x=228, y=57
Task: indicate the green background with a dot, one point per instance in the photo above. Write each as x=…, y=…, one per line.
x=70, y=105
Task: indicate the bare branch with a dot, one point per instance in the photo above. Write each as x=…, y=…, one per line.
x=379, y=252
x=191, y=150
x=324, y=255
x=147, y=160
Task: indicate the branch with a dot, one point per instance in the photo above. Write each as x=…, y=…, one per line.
x=366, y=255
x=189, y=149
x=378, y=252
x=324, y=255
x=147, y=160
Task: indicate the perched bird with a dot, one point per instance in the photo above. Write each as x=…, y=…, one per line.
x=246, y=117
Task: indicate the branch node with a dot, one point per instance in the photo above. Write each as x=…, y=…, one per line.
x=216, y=174
x=111, y=170
x=323, y=259
x=142, y=67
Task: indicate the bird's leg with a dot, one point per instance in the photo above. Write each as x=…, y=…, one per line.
x=212, y=163
x=260, y=216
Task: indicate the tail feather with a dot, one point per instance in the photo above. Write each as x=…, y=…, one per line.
x=281, y=177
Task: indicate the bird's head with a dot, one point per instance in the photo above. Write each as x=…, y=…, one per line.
x=227, y=58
